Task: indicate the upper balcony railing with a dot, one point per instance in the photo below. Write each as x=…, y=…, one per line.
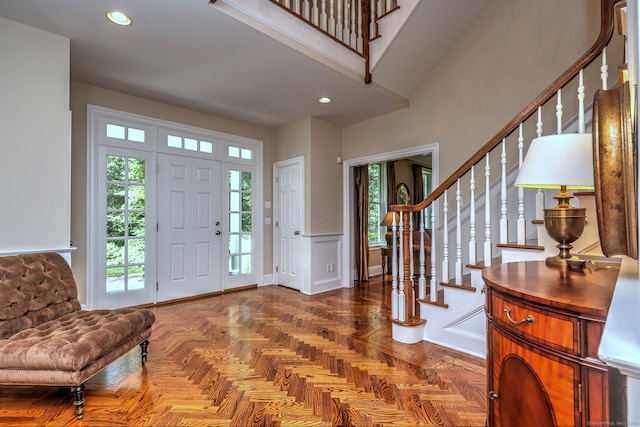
x=352, y=23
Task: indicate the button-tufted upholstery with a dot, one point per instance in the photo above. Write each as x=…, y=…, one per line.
x=46, y=339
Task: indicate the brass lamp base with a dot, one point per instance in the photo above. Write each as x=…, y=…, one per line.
x=565, y=226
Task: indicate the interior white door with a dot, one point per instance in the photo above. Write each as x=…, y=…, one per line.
x=189, y=226
x=289, y=224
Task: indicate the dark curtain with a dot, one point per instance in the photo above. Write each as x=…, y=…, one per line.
x=418, y=193
x=391, y=184
x=361, y=222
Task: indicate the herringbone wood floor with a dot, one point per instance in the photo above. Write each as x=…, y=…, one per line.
x=271, y=356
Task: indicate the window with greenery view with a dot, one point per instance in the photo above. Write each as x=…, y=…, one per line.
x=125, y=251
x=240, y=222
x=377, y=203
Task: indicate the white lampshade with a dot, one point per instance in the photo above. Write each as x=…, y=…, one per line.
x=556, y=160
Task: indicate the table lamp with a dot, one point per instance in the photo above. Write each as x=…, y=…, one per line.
x=563, y=161
x=387, y=221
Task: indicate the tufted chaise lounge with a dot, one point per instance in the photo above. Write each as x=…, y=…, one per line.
x=46, y=339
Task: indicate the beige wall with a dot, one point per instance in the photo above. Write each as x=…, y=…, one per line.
x=34, y=138
x=320, y=143
x=325, y=183
x=497, y=62
x=83, y=95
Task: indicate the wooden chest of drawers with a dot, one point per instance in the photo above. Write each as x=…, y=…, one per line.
x=543, y=332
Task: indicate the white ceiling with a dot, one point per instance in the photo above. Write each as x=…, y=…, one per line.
x=189, y=54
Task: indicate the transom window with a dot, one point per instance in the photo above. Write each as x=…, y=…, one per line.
x=190, y=144
x=125, y=133
x=240, y=153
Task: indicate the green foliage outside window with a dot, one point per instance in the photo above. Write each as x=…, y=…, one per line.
x=125, y=210
x=375, y=203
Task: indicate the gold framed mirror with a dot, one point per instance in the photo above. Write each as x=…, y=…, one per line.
x=615, y=163
x=403, y=196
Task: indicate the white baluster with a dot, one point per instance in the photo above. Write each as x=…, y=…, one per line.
x=487, y=214
x=445, y=240
x=332, y=18
x=559, y=113
x=352, y=35
x=296, y=7
x=373, y=31
x=521, y=224
x=433, y=284
x=315, y=13
x=339, y=21
x=286, y=3
x=458, y=265
x=472, y=218
x=402, y=314
x=306, y=12
x=323, y=15
x=581, y=102
x=604, y=69
x=359, y=43
x=411, y=266
x=539, y=192
x=504, y=221
x=422, y=281
x=345, y=27
x=394, y=269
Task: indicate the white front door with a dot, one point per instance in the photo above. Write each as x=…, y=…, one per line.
x=289, y=223
x=189, y=226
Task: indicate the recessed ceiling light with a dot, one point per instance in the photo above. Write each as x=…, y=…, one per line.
x=324, y=100
x=118, y=17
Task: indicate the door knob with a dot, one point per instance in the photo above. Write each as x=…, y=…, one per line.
x=218, y=232
x=296, y=233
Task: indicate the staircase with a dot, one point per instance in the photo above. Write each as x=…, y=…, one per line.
x=500, y=223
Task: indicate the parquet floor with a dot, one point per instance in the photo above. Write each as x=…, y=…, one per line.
x=271, y=356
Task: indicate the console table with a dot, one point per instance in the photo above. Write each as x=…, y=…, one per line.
x=543, y=332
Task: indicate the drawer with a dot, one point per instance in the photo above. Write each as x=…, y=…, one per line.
x=549, y=328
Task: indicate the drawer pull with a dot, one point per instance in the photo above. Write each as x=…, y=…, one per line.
x=528, y=319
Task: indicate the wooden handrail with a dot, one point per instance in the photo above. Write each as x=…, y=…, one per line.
x=606, y=32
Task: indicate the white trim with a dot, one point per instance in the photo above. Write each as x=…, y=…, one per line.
x=347, y=194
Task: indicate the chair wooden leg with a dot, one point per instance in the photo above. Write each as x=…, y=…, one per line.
x=78, y=402
x=144, y=346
